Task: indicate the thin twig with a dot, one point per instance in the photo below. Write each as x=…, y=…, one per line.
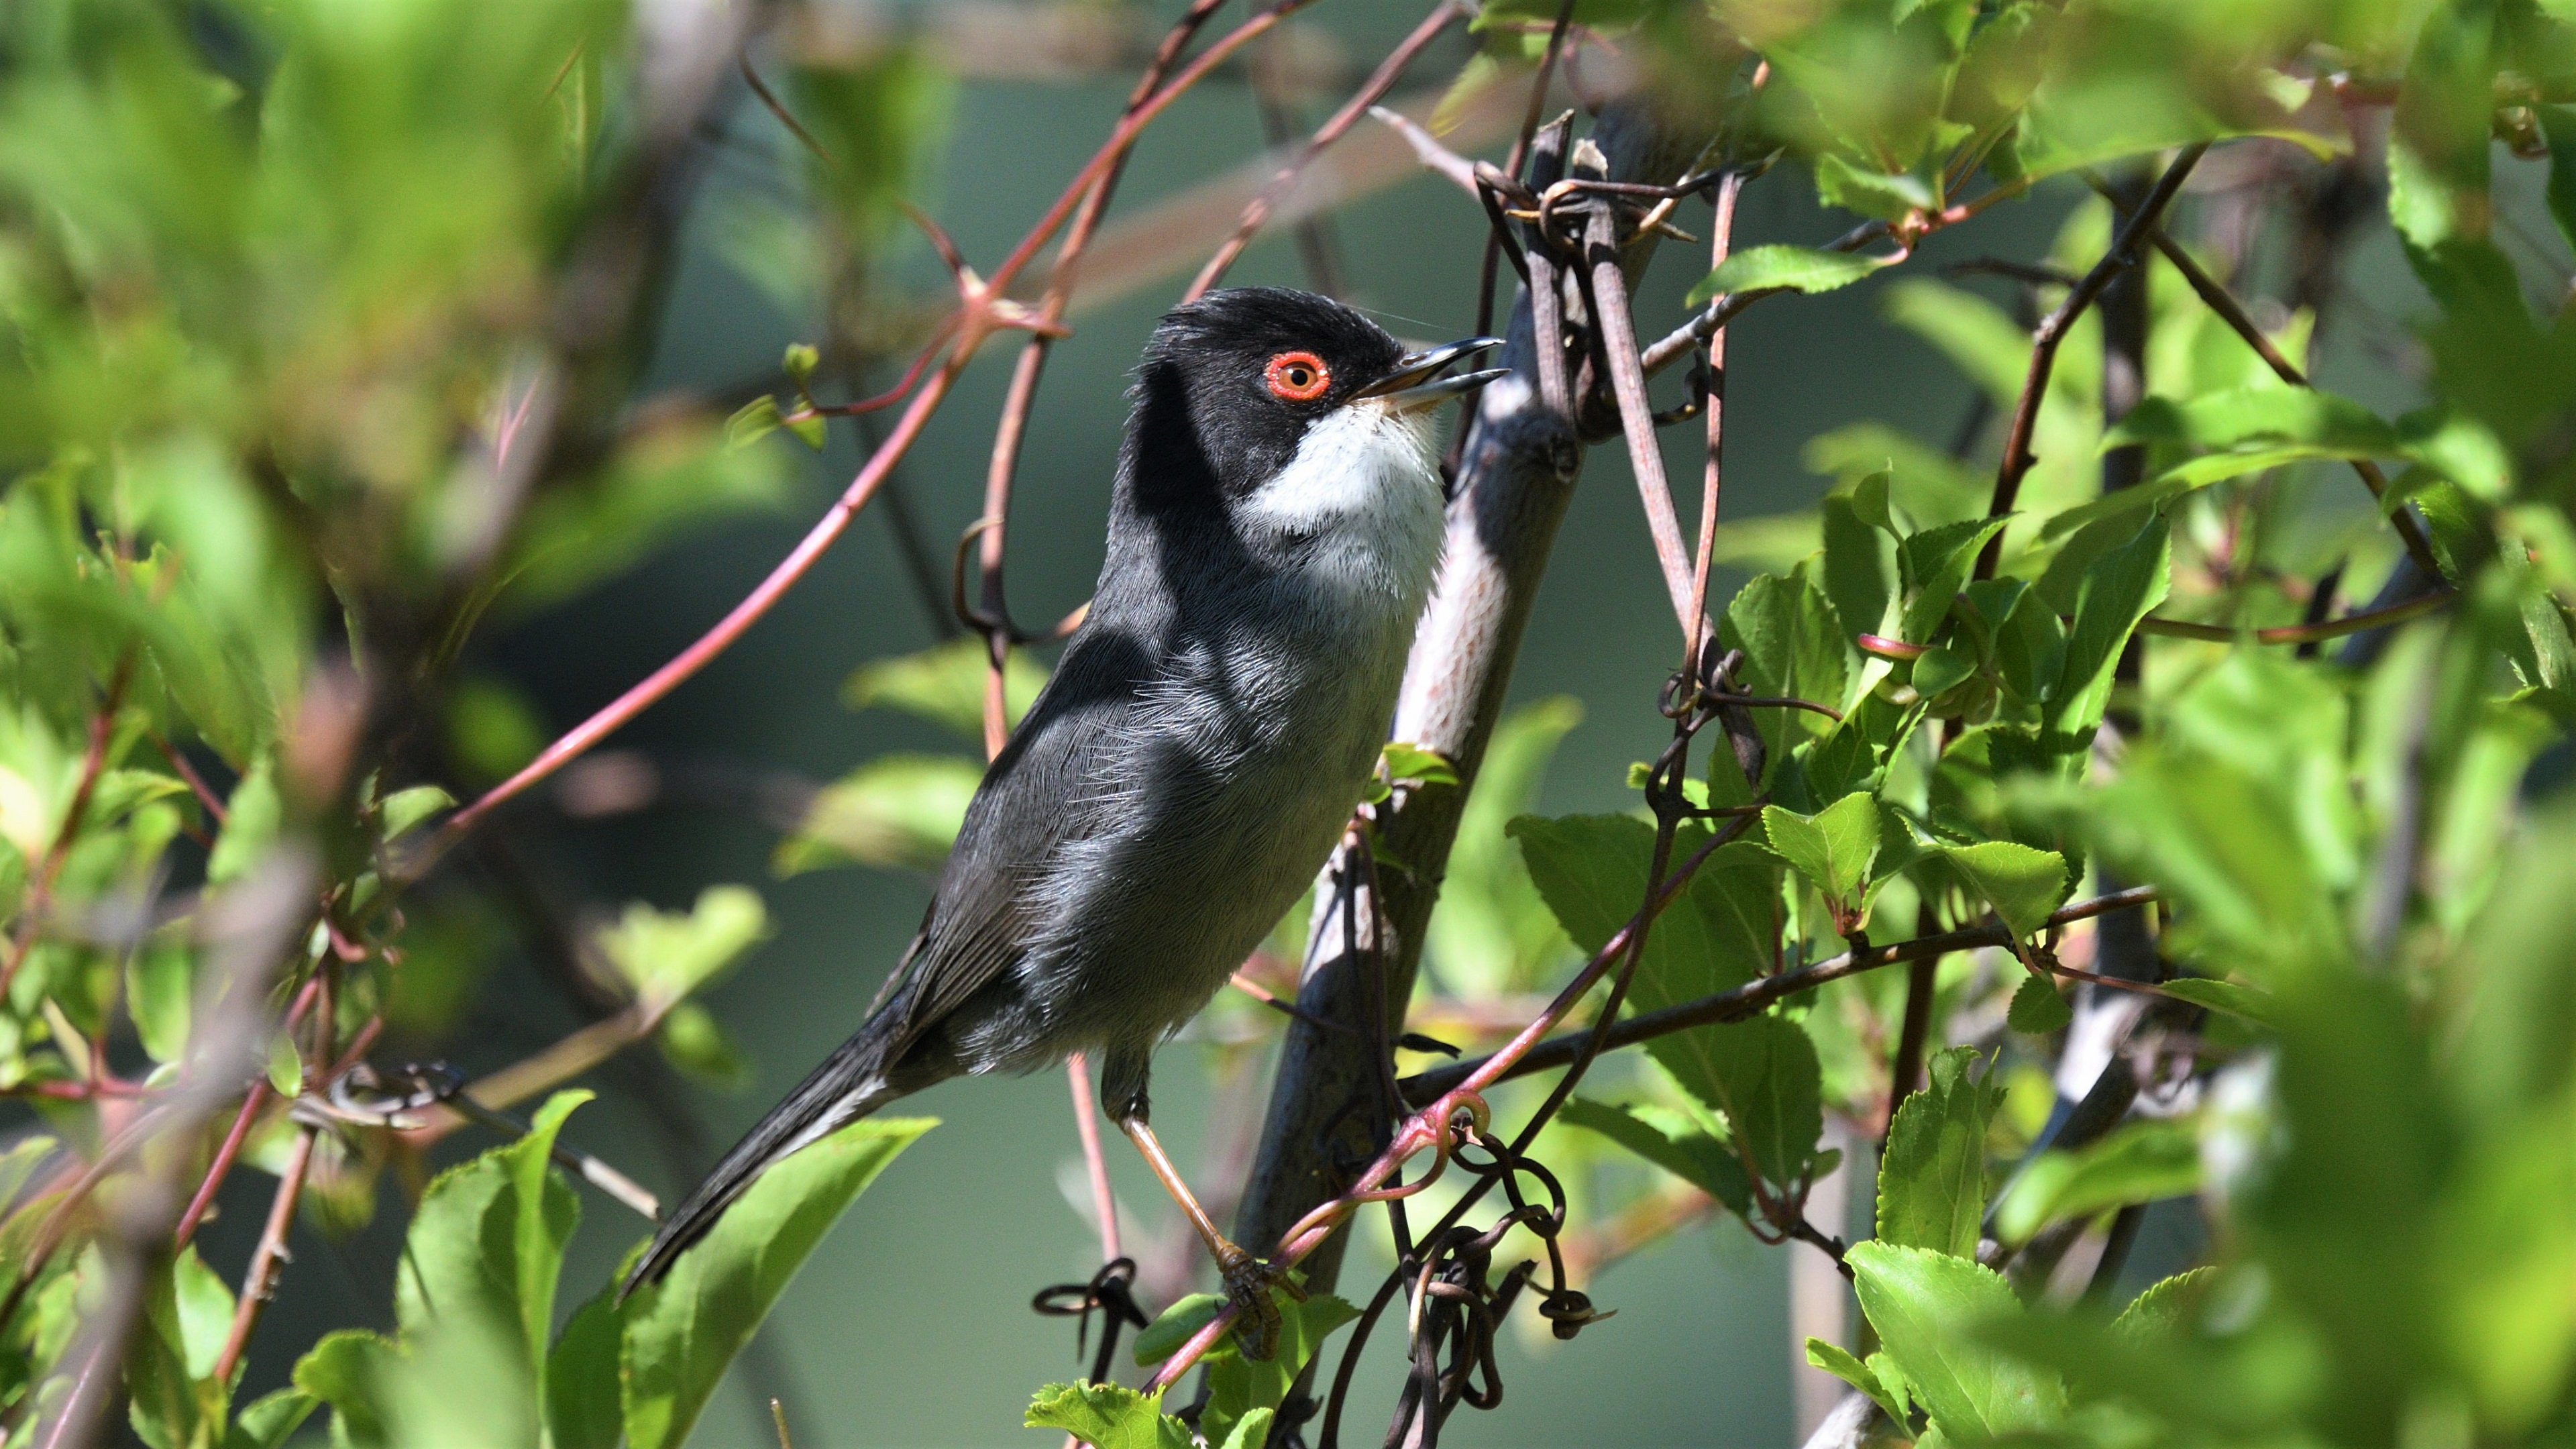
x=2214, y=294
x=1618, y=338
x=252, y=1105
x=2305, y=633
x=1754, y=996
x=985, y=310
x=39, y=897
x=1379, y=82
x=1713, y=402
x=259, y=1281
x=2123, y=253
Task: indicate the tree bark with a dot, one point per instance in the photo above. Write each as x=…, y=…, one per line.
x=1515, y=478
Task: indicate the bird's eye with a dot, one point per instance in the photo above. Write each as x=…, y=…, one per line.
x=1298, y=376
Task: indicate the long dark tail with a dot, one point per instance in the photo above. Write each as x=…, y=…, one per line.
x=850, y=1084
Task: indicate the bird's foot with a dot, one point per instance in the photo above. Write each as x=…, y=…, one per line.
x=1248, y=1281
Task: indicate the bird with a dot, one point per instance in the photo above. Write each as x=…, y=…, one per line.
x=1276, y=519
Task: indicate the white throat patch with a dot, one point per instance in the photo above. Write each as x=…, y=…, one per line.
x=1365, y=483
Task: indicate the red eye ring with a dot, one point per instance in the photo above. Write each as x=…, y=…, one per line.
x=1297, y=376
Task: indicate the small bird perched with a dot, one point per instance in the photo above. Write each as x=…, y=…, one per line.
x=1276, y=521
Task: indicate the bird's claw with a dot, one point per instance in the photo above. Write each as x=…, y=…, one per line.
x=1248, y=1281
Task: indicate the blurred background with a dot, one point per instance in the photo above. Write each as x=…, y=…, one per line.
x=912, y=1324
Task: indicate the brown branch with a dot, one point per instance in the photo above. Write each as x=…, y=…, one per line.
x=222, y=1166
x=1379, y=82
x=2123, y=254
x=259, y=1281
x=1713, y=402
x=39, y=898
x=1617, y=336
x=1754, y=996
x=2214, y=294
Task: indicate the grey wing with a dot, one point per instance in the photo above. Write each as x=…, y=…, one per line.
x=1049, y=789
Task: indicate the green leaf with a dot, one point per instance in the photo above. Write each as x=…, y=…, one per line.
x=1839, y=1362
x=347, y=1370
x=2558, y=123
x=1834, y=848
x=2038, y=1008
x=2159, y=1311
x=666, y=956
x=1239, y=1388
x=691, y=1040
x=895, y=810
x=2025, y=886
x=1923, y=1305
x=1937, y=562
x=1413, y=763
x=1932, y=1180
x=1799, y=269
x=251, y=819
x=160, y=987
x=808, y=428
x=800, y=361
x=683, y=1331
x=1796, y=646
x=1695, y=1157
x=2250, y=1002
x=486, y=1246
x=2115, y=594
x=285, y=1067
x=752, y=422
x=945, y=685
x=1763, y=1074
x=1884, y=195
x=581, y=1377
x=2139, y=1163
x=268, y=1421
x=1107, y=1417
x=2273, y=415
x=403, y=809
x=1975, y=334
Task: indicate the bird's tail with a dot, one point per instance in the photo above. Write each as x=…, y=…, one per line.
x=850, y=1084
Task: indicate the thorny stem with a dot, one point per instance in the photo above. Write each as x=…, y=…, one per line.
x=2018, y=458
x=1380, y=81
x=1753, y=996
x=259, y=1282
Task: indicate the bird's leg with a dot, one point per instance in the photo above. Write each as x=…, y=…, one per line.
x=1248, y=1280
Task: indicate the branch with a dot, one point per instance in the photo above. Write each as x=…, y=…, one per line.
x=2214, y=294
x=1618, y=340
x=1518, y=470
x=259, y=1281
x=1755, y=996
x=2018, y=458
x=2305, y=633
x=1379, y=82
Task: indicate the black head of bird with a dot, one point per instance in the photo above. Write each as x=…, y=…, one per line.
x=1199, y=748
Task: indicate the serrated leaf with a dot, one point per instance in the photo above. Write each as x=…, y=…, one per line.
x=1932, y=1179
x=2025, y=886
x=1925, y=1305
x=683, y=1331
x=2038, y=1008
x=1107, y=1416
x=1839, y=1362
x=2119, y=590
x=486, y=1246
x=1239, y=1388
x=1798, y=269
x=666, y=956
x=2160, y=1310
x=1834, y=848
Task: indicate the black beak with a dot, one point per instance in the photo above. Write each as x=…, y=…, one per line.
x=1411, y=387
